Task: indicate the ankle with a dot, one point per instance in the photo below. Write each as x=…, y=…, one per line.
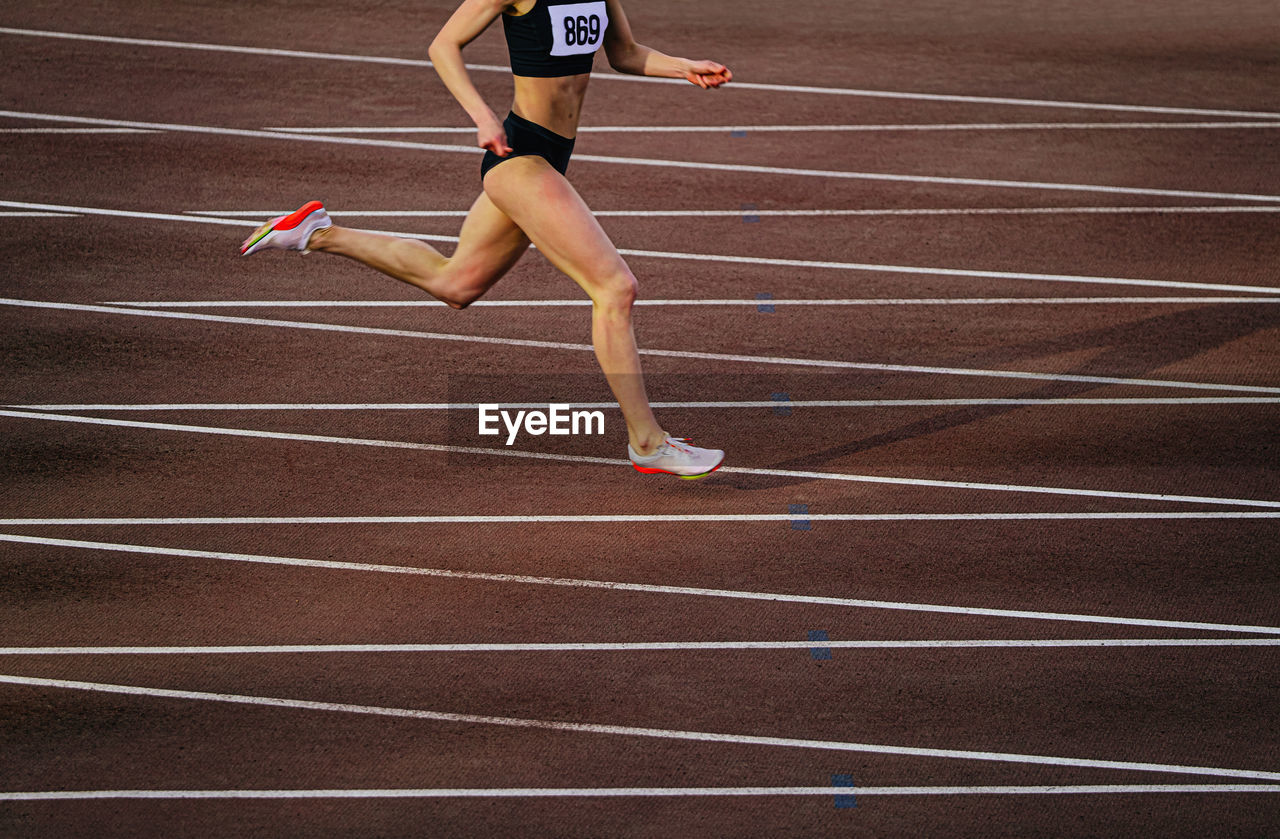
x=318, y=239
x=648, y=443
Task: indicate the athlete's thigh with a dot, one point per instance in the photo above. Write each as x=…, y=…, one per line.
x=552, y=214
x=488, y=244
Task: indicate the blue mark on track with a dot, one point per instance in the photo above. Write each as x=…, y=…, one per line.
x=844, y=801
x=819, y=653
x=800, y=516
x=783, y=409
x=767, y=308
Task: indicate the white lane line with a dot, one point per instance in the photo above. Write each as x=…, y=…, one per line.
x=853, y=301
x=747, y=404
x=903, y=211
x=606, y=461
x=737, y=85
x=75, y=131
x=241, y=132
x=700, y=257
x=647, y=646
x=229, y=48
x=646, y=588
x=634, y=731
x=741, y=168
x=21, y=214
x=630, y=792
x=264, y=214
x=702, y=356
x=945, y=272
x=626, y=792
x=421, y=129
x=922, y=179
x=61, y=209
x=962, y=211
x=634, y=518
x=775, y=129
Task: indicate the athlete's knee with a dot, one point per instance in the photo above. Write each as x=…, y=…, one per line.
x=460, y=298
x=616, y=289
x=462, y=286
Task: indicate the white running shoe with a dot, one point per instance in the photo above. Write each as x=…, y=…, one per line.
x=291, y=232
x=676, y=457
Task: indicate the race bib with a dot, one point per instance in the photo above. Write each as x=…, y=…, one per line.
x=577, y=27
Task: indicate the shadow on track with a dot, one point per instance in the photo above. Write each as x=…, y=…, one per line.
x=1128, y=350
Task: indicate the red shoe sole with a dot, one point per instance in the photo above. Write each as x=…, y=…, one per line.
x=295, y=218
x=681, y=477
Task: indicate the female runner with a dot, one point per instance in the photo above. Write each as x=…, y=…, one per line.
x=526, y=197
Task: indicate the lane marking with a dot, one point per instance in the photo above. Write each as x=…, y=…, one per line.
x=623, y=792
x=61, y=209
x=20, y=214
x=835, y=128
x=76, y=131
x=262, y=214
x=441, y=129
x=603, y=518
x=741, y=168
x=946, y=272
x=1126, y=401
x=699, y=257
x=845, y=128
x=737, y=85
x=702, y=356
x=646, y=646
x=635, y=731
x=242, y=50
x=257, y=215
x=240, y=132
x=646, y=588
x=856, y=301
x=605, y=461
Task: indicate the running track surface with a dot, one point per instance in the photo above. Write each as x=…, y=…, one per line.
x=1013, y=575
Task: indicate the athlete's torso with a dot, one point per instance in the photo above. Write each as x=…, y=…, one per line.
x=552, y=44
x=555, y=38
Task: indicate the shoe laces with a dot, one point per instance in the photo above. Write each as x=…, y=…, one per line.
x=676, y=443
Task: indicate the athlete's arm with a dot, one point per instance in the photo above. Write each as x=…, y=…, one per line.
x=465, y=25
x=627, y=56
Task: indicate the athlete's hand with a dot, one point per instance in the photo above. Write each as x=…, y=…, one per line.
x=492, y=136
x=708, y=74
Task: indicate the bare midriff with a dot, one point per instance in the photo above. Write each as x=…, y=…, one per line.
x=554, y=103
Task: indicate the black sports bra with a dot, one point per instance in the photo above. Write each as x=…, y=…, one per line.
x=555, y=37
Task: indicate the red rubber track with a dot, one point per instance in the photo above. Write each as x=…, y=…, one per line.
x=913, y=549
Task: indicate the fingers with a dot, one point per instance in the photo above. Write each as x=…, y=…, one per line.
x=498, y=145
x=706, y=81
x=708, y=74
